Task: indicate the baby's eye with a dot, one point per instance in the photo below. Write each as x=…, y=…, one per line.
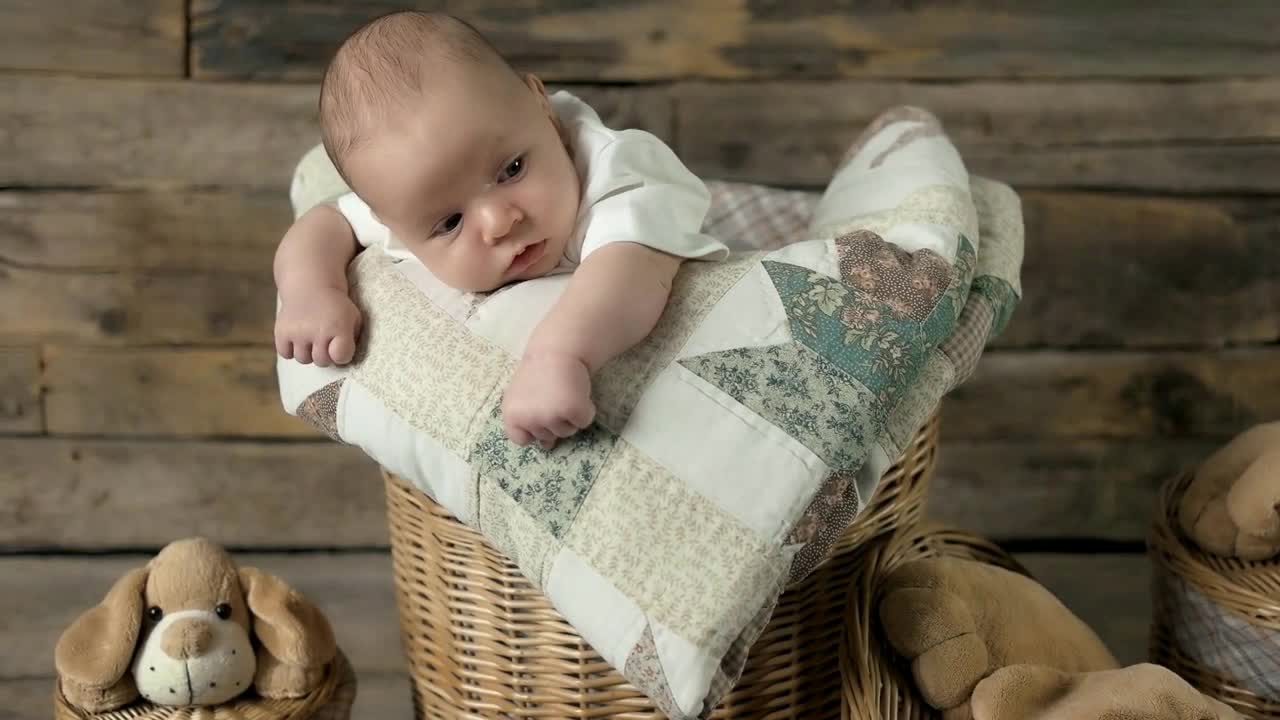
x=512, y=170
x=447, y=225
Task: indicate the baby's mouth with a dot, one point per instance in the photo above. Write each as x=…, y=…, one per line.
x=527, y=257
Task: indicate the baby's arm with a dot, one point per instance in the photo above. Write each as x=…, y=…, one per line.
x=317, y=321
x=612, y=302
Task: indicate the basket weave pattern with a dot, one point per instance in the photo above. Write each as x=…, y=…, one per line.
x=877, y=683
x=482, y=642
x=332, y=700
x=1216, y=620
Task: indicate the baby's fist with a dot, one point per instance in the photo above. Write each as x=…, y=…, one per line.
x=549, y=398
x=319, y=327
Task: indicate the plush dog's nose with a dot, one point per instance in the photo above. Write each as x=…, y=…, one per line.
x=187, y=638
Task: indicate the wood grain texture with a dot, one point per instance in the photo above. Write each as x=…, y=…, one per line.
x=232, y=392
x=1131, y=271
x=87, y=495
x=20, y=408
x=97, y=37
x=162, y=392
x=44, y=594
x=63, y=493
x=661, y=39
x=1215, y=136
x=1057, y=488
x=1200, y=136
x=62, y=132
x=132, y=307
x=355, y=592
x=1067, y=395
x=189, y=231
x=194, y=268
x=379, y=696
x=1110, y=593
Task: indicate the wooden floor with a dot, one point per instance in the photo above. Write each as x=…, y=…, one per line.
x=144, y=161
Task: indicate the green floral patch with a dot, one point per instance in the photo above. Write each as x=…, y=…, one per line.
x=802, y=393
x=866, y=334
x=549, y=486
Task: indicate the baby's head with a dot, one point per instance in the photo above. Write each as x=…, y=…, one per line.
x=459, y=156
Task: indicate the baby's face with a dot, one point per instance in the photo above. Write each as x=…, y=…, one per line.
x=474, y=180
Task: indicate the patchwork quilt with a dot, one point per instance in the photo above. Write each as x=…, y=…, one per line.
x=735, y=443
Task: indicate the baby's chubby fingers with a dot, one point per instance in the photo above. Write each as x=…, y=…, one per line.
x=342, y=349
x=302, y=352
x=320, y=351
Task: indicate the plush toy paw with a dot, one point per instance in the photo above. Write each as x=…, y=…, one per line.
x=99, y=699
x=1232, y=506
x=1138, y=692
x=959, y=620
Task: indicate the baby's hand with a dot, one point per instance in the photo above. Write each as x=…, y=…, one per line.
x=319, y=326
x=549, y=398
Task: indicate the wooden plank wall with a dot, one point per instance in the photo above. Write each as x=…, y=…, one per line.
x=146, y=149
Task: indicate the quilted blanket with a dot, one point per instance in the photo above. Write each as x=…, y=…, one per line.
x=736, y=442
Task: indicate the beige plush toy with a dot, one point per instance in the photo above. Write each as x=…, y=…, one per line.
x=989, y=644
x=1232, y=506
x=190, y=628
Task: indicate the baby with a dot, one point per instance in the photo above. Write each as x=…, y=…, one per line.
x=456, y=160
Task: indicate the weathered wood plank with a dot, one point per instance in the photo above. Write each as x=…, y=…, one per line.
x=209, y=284
x=70, y=494
x=20, y=409
x=658, y=39
x=385, y=696
x=1037, y=134
x=166, y=231
x=233, y=392
x=223, y=392
x=70, y=132
x=1057, y=488
x=99, y=37
x=355, y=591
x=1108, y=271
x=1213, y=136
x=1092, y=394
x=1110, y=593
x=44, y=594
x=210, y=307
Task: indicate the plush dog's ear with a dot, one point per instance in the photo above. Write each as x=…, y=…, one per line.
x=92, y=656
x=292, y=629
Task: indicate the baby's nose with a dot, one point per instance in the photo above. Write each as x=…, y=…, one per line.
x=187, y=638
x=499, y=221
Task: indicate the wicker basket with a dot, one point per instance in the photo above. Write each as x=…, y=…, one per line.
x=332, y=700
x=876, y=682
x=482, y=642
x=1216, y=620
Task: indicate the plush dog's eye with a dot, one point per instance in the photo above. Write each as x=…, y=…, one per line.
x=223, y=610
x=154, y=613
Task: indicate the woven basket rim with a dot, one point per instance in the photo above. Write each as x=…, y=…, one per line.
x=284, y=709
x=876, y=681
x=1248, y=589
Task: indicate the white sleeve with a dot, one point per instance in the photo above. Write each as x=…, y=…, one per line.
x=368, y=230
x=639, y=191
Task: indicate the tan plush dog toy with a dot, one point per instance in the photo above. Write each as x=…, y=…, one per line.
x=190, y=628
x=989, y=644
x=1232, y=506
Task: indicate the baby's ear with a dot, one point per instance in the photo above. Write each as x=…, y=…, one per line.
x=94, y=653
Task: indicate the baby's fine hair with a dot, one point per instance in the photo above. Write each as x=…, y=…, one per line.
x=379, y=68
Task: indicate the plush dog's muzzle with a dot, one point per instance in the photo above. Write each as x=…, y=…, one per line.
x=193, y=657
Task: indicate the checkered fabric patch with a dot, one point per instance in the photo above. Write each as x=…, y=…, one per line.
x=1223, y=641
x=753, y=217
